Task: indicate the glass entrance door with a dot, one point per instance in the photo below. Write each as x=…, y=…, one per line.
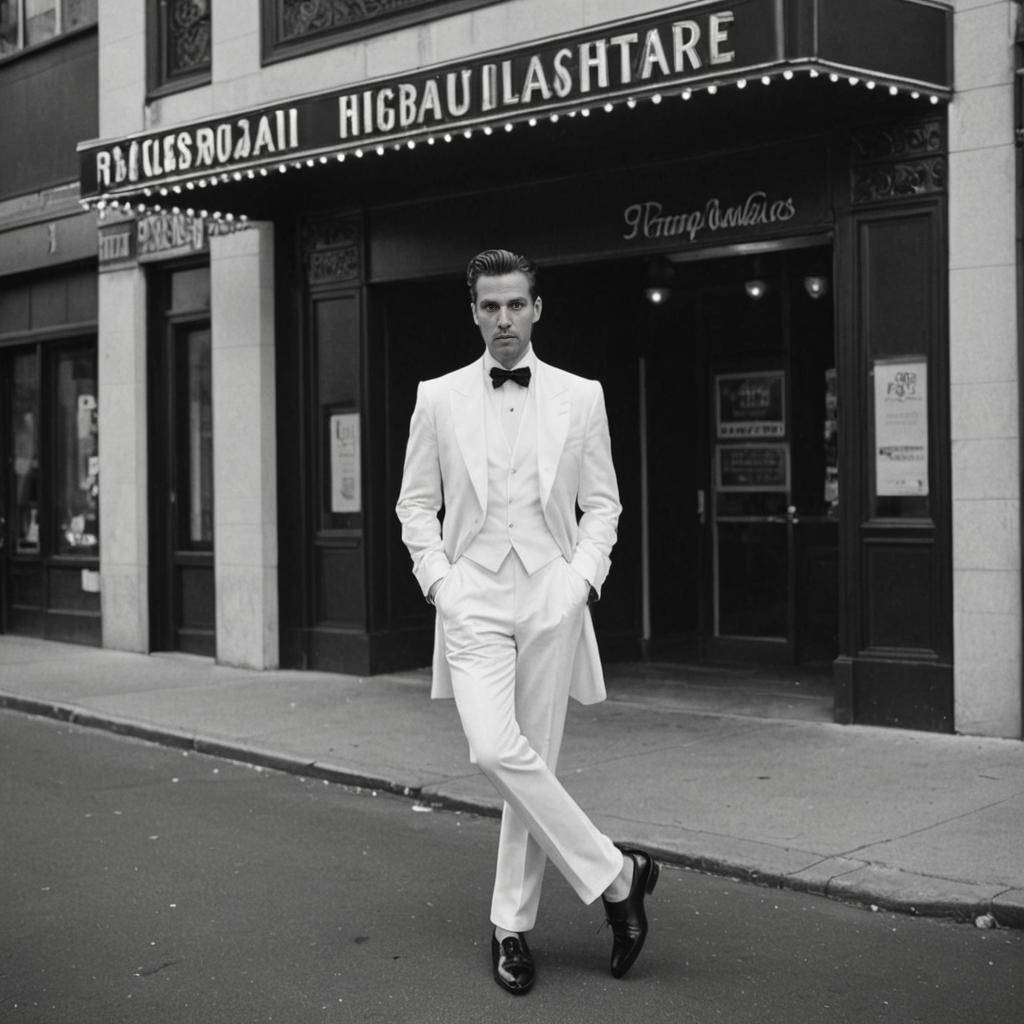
x=773, y=429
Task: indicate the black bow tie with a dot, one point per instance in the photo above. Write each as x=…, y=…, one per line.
x=521, y=376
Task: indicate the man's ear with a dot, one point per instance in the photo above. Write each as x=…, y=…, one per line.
x=537, y=307
x=476, y=319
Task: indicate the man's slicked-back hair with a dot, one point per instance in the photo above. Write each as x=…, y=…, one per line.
x=495, y=263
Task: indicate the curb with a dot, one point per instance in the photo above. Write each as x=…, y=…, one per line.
x=855, y=882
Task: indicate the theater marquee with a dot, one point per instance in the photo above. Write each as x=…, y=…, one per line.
x=694, y=47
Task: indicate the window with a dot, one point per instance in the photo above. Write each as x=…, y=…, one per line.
x=291, y=27
x=179, y=44
x=54, y=465
x=196, y=425
x=25, y=434
x=76, y=453
x=25, y=23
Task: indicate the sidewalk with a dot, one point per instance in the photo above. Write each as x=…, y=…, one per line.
x=706, y=774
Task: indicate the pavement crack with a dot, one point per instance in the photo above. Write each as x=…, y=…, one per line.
x=928, y=828
x=146, y=972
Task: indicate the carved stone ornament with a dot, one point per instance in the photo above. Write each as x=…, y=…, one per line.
x=188, y=35
x=300, y=18
x=897, y=161
x=899, y=180
x=333, y=250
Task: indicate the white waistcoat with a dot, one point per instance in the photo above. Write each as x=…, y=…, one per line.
x=513, y=519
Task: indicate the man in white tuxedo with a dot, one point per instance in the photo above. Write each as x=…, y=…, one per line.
x=510, y=446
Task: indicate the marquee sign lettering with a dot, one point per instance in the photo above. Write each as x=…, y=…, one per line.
x=590, y=68
x=637, y=58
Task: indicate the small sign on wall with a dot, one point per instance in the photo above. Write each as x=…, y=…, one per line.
x=752, y=467
x=901, y=428
x=346, y=491
x=750, y=405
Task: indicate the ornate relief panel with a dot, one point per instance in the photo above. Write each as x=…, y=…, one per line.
x=332, y=250
x=301, y=25
x=899, y=160
x=178, y=44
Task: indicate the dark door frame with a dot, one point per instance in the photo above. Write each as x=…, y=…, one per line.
x=167, y=463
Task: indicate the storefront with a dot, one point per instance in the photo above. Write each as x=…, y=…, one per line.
x=740, y=214
x=49, y=440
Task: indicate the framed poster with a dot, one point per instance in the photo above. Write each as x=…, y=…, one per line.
x=752, y=467
x=750, y=405
x=901, y=428
x=345, y=471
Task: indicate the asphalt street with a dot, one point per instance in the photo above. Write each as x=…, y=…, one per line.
x=147, y=884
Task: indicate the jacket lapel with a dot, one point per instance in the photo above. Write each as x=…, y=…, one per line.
x=469, y=419
x=554, y=405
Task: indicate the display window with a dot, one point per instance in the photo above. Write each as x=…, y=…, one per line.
x=28, y=23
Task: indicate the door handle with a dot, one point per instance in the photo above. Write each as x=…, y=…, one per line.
x=791, y=515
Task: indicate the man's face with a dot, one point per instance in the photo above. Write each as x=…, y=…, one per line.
x=505, y=314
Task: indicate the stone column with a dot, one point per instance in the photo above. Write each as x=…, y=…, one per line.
x=124, y=514
x=244, y=447
x=984, y=375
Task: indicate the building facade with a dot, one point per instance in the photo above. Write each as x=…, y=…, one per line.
x=782, y=234
x=49, y=495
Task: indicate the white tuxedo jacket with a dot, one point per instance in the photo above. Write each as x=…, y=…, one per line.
x=446, y=464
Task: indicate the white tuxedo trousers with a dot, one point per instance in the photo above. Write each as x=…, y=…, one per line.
x=510, y=640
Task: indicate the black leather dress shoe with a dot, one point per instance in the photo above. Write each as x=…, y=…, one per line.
x=627, y=917
x=513, y=963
